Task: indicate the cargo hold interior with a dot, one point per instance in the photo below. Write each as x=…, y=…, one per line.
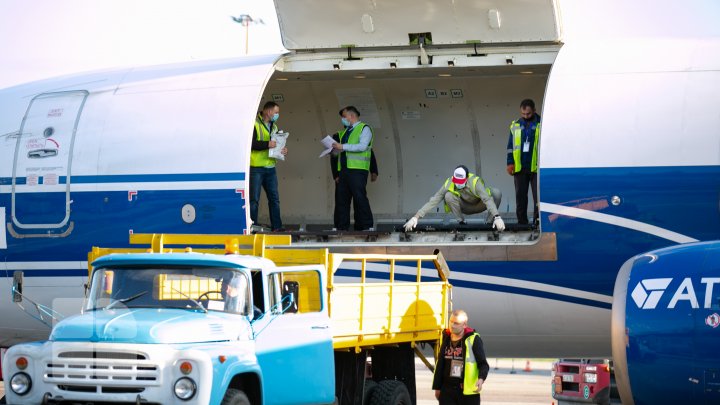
x=425, y=122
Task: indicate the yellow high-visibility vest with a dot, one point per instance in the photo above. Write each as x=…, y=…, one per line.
x=473, y=179
x=261, y=158
x=472, y=373
x=356, y=160
x=516, y=130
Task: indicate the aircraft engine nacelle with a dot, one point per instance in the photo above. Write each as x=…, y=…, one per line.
x=666, y=326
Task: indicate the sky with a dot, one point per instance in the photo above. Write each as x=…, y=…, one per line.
x=48, y=38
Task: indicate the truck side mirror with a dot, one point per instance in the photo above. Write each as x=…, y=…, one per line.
x=290, y=292
x=17, y=286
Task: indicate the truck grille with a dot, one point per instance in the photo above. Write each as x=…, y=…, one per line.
x=102, y=372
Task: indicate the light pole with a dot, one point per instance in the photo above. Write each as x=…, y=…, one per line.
x=245, y=20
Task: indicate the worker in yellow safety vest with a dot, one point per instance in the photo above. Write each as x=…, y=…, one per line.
x=353, y=165
x=522, y=159
x=262, y=166
x=461, y=367
x=464, y=193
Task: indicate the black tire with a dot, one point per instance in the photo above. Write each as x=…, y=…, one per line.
x=370, y=386
x=235, y=397
x=390, y=392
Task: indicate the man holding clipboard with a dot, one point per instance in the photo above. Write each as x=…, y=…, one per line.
x=262, y=165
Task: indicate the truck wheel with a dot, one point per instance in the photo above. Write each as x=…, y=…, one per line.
x=235, y=397
x=370, y=387
x=390, y=392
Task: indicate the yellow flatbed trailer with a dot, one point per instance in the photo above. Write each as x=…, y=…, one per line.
x=363, y=314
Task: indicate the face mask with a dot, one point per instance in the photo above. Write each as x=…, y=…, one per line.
x=275, y=116
x=457, y=330
x=345, y=122
x=460, y=186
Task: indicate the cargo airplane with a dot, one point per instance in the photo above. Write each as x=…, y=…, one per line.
x=629, y=156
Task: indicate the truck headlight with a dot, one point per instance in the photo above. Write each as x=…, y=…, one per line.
x=590, y=378
x=185, y=388
x=20, y=383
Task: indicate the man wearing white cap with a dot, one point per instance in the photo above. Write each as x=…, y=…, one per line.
x=464, y=194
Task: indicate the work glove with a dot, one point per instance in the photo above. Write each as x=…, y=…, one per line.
x=511, y=169
x=498, y=223
x=410, y=224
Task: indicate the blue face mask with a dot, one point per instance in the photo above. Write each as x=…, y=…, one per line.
x=345, y=122
x=275, y=116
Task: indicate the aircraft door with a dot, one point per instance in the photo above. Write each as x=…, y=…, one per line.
x=42, y=165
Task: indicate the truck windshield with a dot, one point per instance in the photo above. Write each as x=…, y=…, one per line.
x=199, y=289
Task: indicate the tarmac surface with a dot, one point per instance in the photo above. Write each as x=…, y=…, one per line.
x=501, y=387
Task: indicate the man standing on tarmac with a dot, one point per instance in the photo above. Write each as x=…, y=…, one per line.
x=522, y=159
x=461, y=367
x=355, y=148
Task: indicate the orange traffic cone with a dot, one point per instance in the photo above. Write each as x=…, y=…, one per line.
x=527, y=368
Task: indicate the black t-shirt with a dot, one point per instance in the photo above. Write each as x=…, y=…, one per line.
x=454, y=363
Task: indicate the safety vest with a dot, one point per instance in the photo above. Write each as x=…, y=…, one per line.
x=261, y=158
x=516, y=131
x=356, y=160
x=472, y=373
x=450, y=186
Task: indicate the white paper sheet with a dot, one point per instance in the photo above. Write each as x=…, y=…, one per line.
x=327, y=143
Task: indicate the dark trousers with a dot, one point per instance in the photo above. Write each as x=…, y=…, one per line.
x=454, y=396
x=523, y=179
x=265, y=177
x=351, y=187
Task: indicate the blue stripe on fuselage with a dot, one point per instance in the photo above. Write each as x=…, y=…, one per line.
x=680, y=199
x=105, y=218
x=139, y=178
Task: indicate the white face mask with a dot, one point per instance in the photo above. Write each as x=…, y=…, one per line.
x=457, y=329
x=460, y=186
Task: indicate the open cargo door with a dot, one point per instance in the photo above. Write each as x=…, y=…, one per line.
x=380, y=34
x=325, y=24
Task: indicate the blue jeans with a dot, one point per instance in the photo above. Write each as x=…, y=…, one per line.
x=267, y=178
